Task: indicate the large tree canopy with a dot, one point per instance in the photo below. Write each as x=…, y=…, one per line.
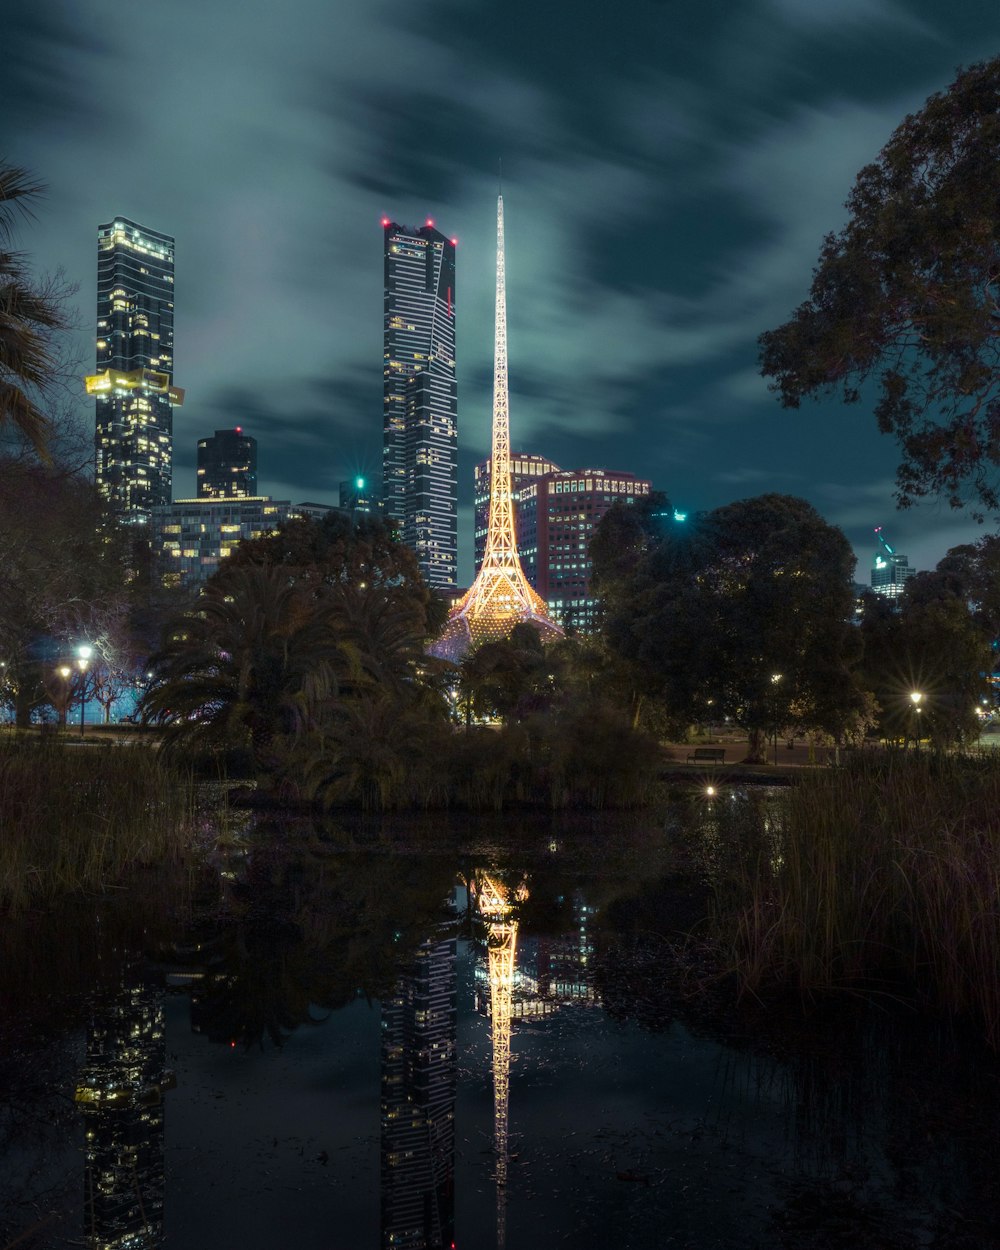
x=905, y=298
x=744, y=613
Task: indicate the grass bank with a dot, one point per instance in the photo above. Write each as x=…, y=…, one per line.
x=884, y=875
x=75, y=818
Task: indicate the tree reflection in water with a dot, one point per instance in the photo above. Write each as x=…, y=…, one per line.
x=892, y=1123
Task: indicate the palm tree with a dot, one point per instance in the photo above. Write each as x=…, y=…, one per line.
x=255, y=662
x=28, y=316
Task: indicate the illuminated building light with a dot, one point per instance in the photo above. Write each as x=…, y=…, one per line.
x=501, y=596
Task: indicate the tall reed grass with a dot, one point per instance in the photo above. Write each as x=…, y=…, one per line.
x=76, y=818
x=882, y=875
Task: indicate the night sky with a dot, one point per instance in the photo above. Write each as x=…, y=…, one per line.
x=670, y=170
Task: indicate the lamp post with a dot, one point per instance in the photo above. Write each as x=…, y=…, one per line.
x=775, y=679
x=65, y=672
x=83, y=654
x=916, y=698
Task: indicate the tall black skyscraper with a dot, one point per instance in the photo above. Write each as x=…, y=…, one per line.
x=133, y=382
x=227, y=465
x=420, y=437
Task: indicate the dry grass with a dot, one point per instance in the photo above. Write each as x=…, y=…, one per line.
x=884, y=875
x=75, y=818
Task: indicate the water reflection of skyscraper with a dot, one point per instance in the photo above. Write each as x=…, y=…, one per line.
x=120, y=1094
x=419, y=1071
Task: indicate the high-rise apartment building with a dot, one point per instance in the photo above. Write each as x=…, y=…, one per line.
x=134, y=379
x=524, y=467
x=420, y=439
x=227, y=465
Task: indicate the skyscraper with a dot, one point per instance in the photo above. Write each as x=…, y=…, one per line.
x=133, y=381
x=420, y=441
x=890, y=570
x=227, y=465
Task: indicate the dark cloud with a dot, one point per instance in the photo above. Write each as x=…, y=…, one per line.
x=670, y=172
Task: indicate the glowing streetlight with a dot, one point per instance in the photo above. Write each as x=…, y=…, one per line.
x=775, y=681
x=916, y=698
x=83, y=654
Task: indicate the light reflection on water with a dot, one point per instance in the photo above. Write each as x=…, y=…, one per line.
x=380, y=1039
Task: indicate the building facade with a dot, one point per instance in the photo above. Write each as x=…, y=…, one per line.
x=890, y=569
x=420, y=416
x=359, y=495
x=227, y=465
x=557, y=516
x=191, y=537
x=524, y=468
x=133, y=382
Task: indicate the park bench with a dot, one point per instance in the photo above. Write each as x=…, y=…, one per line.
x=714, y=755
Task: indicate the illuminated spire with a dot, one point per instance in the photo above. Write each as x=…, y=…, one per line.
x=501, y=596
x=501, y=950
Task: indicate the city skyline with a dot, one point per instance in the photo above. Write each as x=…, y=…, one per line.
x=673, y=175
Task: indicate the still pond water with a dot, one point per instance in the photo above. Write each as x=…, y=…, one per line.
x=418, y=1036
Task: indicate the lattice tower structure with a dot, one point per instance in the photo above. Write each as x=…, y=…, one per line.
x=501, y=947
x=501, y=596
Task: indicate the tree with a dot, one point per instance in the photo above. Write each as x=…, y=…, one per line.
x=933, y=646
x=745, y=613
x=62, y=571
x=29, y=315
x=905, y=297
x=251, y=664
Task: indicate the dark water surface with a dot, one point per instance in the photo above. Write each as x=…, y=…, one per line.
x=420, y=1035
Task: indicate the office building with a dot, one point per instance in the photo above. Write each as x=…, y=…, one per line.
x=359, y=495
x=890, y=570
x=191, y=537
x=523, y=469
x=133, y=382
x=227, y=465
x=557, y=516
x=419, y=467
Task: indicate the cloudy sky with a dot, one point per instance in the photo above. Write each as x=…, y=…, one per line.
x=669, y=172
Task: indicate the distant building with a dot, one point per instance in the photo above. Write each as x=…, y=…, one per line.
x=133, y=382
x=360, y=494
x=191, y=537
x=227, y=465
x=420, y=412
x=313, y=511
x=557, y=516
x=524, y=468
x=890, y=570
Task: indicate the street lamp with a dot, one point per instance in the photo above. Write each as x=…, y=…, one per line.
x=65, y=695
x=916, y=698
x=775, y=679
x=83, y=654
